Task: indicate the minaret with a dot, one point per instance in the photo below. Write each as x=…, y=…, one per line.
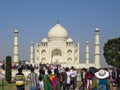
x=31, y=53
x=16, y=55
x=87, y=53
x=78, y=44
x=97, y=48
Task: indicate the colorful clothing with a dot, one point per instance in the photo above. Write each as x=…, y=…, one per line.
x=47, y=83
x=58, y=84
x=53, y=80
x=20, y=81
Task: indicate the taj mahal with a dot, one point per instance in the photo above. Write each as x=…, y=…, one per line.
x=59, y=48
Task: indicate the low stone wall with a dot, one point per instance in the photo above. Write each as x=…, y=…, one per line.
x=25, y=72
x=82, y=65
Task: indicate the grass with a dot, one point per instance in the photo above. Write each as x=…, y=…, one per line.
x=7, y=86
x=78, y=84
x=12, y=85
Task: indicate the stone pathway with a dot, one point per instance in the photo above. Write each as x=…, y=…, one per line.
x=26, y=87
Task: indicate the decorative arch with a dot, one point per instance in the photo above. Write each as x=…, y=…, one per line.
x=43, y=60
x=69, y=60
x=56, y=52
x=43, y=52
x=56, y=56
x=69, y=52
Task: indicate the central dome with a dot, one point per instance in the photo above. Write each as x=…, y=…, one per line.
x=57, y=32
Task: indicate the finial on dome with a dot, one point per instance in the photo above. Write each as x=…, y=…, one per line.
x=87, y=42
x=57, y=21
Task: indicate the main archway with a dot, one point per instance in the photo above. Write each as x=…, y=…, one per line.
x=56, y=56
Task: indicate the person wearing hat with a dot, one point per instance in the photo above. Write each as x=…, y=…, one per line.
x=102, y=80
x=20, y=80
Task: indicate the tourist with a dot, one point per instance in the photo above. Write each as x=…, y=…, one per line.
x=83, y=78
x=114, y=76
x=73, y=74
x=20, y=80
x=110, y=75
x=33, y=79
x=102, y=80
x=67, y=81
x=41, y=79
x=64, y=78
x=58, y=79
x=48, y=81
x=89, y=77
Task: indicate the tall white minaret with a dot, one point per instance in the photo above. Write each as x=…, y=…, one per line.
x=97, y=48
x=31, y=52
x=16, y=55
x=87, y=56
x=78, y=44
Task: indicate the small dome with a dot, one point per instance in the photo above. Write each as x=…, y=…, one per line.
x=97, y=29
x=16, y=30
x=31, y=42
x=44, y=40
x=57, y=32
x=69, y=40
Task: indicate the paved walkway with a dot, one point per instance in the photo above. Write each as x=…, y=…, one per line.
x=26, y=87
x=77, y=88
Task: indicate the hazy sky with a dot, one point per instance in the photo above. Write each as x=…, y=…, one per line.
x=34, y=18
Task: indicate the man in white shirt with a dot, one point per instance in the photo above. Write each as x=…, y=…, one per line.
x=73, y=73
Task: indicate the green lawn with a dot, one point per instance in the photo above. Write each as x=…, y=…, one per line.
x=7, y=86
x=12, y=86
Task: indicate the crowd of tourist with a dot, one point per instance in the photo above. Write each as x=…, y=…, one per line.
x=55, y=77
x=66, y=79
x=49, y=79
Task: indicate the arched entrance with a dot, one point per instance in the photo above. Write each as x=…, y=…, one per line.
x=56, y=56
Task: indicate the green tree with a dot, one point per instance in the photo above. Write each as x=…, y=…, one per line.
x=112, y=52
x=8, y=70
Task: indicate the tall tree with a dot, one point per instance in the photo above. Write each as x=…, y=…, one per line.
x=8, y=73
x=112, y=52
